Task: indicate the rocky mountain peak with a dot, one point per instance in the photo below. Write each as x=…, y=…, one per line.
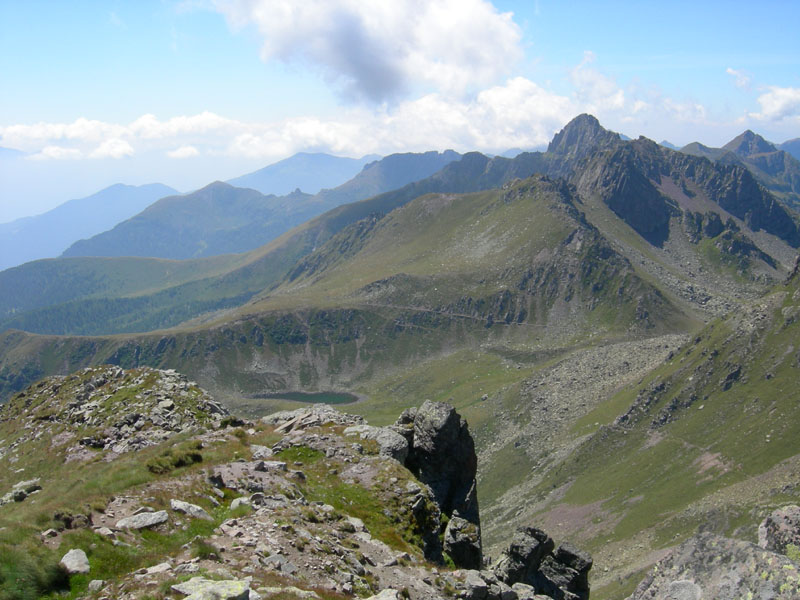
x=748, y=144
x=580, y=137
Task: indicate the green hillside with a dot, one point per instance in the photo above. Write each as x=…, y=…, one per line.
x=707, y=440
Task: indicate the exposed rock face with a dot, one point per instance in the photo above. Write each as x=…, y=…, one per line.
x=462, y=543
x=711, y=566
x=530, y=560
x=75, y=561
x=580, y=137
x=443, y=456
x=781, y=529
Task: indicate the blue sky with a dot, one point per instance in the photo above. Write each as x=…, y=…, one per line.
x=185, y=92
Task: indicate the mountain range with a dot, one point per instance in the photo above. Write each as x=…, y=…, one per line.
x=776, y=169
x=313, y=171
x=223, y=219
x=49, y=234
x=616, y=319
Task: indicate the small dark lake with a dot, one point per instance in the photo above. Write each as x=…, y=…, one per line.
x=312, y=397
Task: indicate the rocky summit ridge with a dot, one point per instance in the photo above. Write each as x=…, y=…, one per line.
x=136, y=484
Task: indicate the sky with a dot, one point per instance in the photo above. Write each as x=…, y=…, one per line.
x=185, y=92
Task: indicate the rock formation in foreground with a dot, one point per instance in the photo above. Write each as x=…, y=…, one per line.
x=311, y=503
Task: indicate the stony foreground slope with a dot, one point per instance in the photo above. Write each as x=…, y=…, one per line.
x=135, y=484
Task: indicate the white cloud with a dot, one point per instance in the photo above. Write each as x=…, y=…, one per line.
x=81, y=129
x=779, y=103
x=379, y=51
x=594, y=90
x=56, y=153
x=149, y=127
x=184, y=152
x=113, y=148
x=741, y=79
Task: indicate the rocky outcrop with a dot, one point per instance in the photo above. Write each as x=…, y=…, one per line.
x=110, y=409
x=442, y=455
x=531, y=560
x=712, y=566
x=462, y=543
x=781, y=530
x=20, y=491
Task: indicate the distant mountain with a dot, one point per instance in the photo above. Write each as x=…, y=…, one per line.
x=49, y=234
x=221, y=218
x=775, y=169
x=309, y=172
x=581, y=137
x=749, y=143
x=792, y=147
x=669, y=145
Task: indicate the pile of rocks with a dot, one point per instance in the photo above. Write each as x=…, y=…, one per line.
x=108, y=408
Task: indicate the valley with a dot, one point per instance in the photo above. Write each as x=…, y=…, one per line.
x=616, y=321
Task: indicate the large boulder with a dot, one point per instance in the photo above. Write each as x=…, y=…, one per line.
x=462, y=543
x=199, y=588
x=75, y=561
x=530, y=560
x=521, y=561
x=143, y=520
x=781, y=529
x=390, y=442
x=565, y=574
x=191, y=510
x=712, y=566
x=442, y=455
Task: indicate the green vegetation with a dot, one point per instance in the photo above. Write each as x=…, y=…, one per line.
x=170, y=459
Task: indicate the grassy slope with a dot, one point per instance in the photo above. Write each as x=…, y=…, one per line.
x=694, y=452
x=429, y=279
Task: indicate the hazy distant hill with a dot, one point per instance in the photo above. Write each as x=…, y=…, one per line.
x=49, y=234
x=309, y=172
x=221, y=218
x=792, y=147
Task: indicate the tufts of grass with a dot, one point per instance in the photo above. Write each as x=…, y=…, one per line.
x=26, y=575
x=173, y=458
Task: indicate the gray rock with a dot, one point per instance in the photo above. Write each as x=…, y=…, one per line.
x=711, y=566
x=95, y=585
x=780, y=529
x=143, y=520
x=521, y=561
x=566, y=572
x=386, y=595
x=443, y=456
x=462, y=543
x=241, y=501
x=260, y=452
x=189, y=509
x=391, y=443
x=475, y=588
x=199, y=588
x=75, y=561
